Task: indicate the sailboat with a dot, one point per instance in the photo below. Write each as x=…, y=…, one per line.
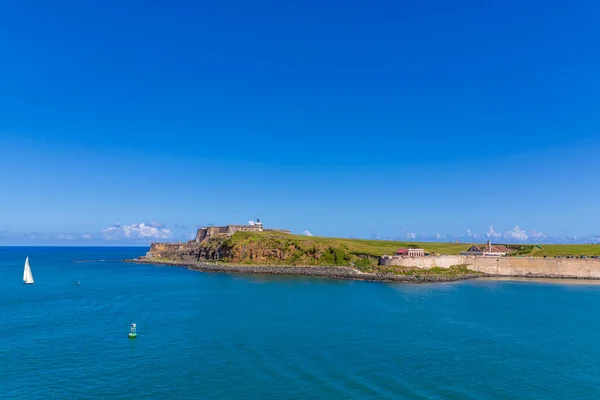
x=27, y=276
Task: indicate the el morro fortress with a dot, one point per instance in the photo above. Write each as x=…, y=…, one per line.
x=215, y=243
x=204, y=234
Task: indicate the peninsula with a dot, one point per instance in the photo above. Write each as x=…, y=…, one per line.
x=251, y=248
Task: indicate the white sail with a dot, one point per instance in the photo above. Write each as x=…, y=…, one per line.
x=25, y=270
x=27, y=275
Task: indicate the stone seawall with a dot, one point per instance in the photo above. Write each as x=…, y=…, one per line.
x=507, y=266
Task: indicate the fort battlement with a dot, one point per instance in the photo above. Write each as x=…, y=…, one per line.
x=206, y=233
x=506, y=266
x=160, y=249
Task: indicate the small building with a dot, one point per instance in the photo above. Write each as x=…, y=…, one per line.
x=410, y=252
x=487, y=250
x=257, y=224
x=416, y=252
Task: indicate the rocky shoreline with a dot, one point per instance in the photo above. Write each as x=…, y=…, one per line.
x=346, y=273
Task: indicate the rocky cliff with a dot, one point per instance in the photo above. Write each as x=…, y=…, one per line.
x=260, y=248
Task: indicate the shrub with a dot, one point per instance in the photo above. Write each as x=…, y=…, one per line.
x=363, y=263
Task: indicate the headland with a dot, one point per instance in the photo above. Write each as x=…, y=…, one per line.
x=252, y=249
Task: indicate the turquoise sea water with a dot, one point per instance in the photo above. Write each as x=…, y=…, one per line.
x=218, y=336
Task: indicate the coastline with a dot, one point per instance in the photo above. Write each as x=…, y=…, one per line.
x=557, y=280
x=345, y=273
x=248, y=249
x=348, y=273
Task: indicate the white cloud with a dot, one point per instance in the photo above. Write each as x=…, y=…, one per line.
x=307, y=233
x=469, y=233
x=411, y=235
x=136, y=231
x=537, y=235
x=594, y=237
x=491, y=233
x=516, y=233
x=63, y=236
x=438, y=236
x=86, y=236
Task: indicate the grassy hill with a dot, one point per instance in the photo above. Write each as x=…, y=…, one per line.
x=371, y=247
x=280, y=249
x=376, y=248
x=272, y=247
x=551, y=250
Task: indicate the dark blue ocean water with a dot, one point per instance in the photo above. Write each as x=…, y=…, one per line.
x=217, y=336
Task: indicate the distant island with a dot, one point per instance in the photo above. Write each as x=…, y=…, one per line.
x=251, y=248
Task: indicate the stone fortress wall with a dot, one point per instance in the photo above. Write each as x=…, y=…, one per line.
x=506, y=266
x=206, y=233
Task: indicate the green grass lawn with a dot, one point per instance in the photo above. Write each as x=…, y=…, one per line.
x=360, y=246
x=381, y=247
x=551, y=250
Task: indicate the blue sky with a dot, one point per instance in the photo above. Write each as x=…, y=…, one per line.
x=387, y=119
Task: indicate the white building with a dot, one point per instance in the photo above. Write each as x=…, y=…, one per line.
x=416, y=252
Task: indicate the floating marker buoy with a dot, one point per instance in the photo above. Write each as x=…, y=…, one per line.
x=132, y=332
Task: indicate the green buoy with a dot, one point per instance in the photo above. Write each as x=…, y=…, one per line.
x=132, y=332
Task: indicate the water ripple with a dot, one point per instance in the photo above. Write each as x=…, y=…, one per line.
x=211, y=336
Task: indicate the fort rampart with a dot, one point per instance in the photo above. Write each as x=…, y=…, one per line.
x=506, y=266
x=205, y=233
